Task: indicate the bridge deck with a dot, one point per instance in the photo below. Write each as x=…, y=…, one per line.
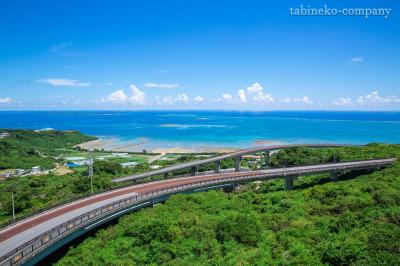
x=16, y=235
x=220, y=158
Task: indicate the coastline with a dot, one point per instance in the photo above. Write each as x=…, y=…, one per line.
x=141, y=144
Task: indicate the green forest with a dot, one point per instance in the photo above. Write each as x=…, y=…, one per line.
x=27, y=148
x=354, y=221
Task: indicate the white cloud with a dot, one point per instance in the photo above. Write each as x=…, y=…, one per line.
x=358, y=59
x=65, y=82
x=117, y=96
x=120, y=97
x=297, y=100
x=374, y=99
x=183, y=98
x=256, y=93
x=303, y=99
x=161, y=85
x=162, y=71
x=137, y=96
x=342, y=101
x=256, y=87
x=227, y=97
x=198, y=99
x=261, y=96
x=5, y=100
x=178, y=99
x=242, y=96
x=168, y=100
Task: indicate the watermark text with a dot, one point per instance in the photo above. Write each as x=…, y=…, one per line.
x=327, y=11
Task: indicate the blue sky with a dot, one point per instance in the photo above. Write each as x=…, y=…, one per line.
x=245, y=55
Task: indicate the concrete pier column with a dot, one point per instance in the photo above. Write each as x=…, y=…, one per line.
x=333, y=176
x=289, y=183
x=194, y=170
x=228, y=189
x=217, y=167
x=238, y=159
x=267, y=158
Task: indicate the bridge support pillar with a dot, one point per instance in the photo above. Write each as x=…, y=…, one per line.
x=217, y=167
x=194, y=170
x=238, y=159
x=289, y=182
x=229, y=189
x=267, y=159
x=334, y=176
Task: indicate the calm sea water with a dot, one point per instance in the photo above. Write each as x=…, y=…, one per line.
x=229, y=129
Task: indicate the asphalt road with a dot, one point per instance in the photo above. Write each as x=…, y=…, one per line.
x=219, y=158
x=25, y=230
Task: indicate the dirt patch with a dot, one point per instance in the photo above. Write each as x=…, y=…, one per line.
x=62, y=170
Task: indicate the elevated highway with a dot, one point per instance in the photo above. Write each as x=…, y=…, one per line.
x=30, y=240
x=237, y=155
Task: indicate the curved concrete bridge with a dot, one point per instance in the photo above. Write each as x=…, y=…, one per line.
x=30, y=240
x=237, y=155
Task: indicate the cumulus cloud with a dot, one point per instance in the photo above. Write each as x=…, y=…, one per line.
x=358, y=59
x=167, y=100
x=261, y=96
x=65, y=82
x=161, y=85
x=117, y=96
x=198, y=99
x=242, y=96
x=304, y=100
x=374, y=99
x=255, y=92
x=5, y=100
x=136, y=96
x=255, y=88
x=342, y=101
x=298, y=100
x=227, y=97
x=182, y=98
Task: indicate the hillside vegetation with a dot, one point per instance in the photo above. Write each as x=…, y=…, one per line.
x=355, y=221
x=27, y=148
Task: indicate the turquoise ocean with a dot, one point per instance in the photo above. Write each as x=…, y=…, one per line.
x=217, y=128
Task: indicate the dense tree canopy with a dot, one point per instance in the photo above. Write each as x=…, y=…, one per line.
x=27, y=148
x=355, y=221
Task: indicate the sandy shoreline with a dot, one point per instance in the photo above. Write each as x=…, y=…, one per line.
x=140, y=144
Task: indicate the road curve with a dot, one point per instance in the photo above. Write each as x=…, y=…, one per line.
x=220, y=158
x=14, y=238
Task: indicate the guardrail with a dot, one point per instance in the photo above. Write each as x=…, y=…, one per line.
x=20, y=218
x=44, y=240
x=175, y=167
